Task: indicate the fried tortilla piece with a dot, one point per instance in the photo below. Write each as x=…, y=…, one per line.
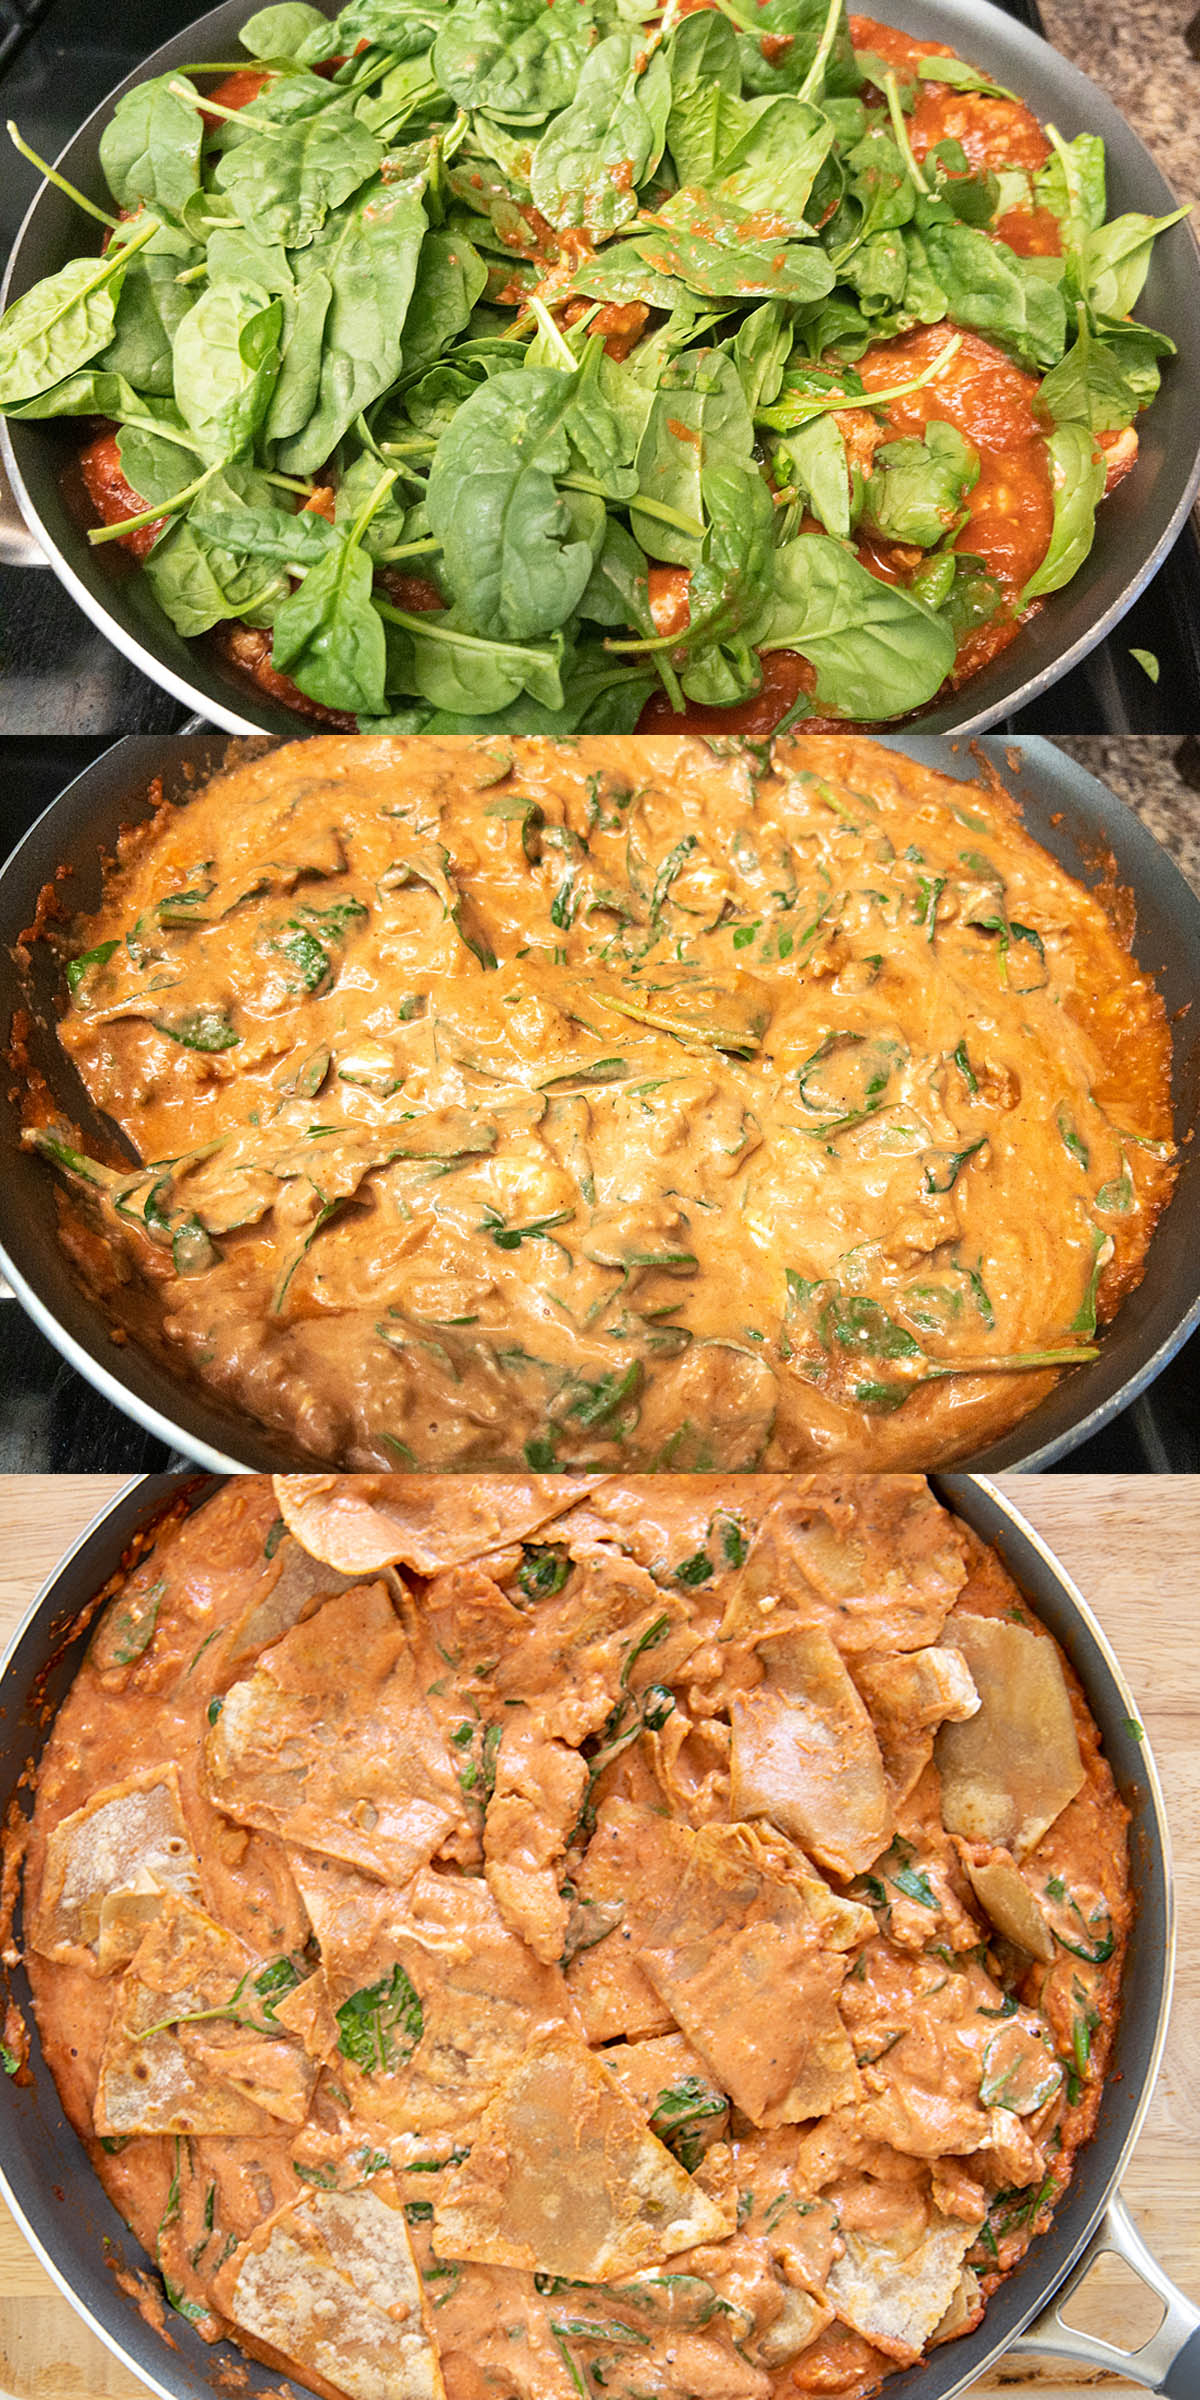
x=360, y=1523
x=874, y=1559
x=805, y=1755
x=298, y=1587
x=895, y=2293
x=533, y=1809
x=329, y=2287
x=190, y=2048
x=669, y=2083
x=306, y=2013
x=478, y=1996
x=633, y=1863
x=1008, y=1771
x=564, y=2178
x=610, y=1630
x=909, y=1695
x=329, y=1743
x=108, y=1868
x=739, y=1956
x=1012, y=1907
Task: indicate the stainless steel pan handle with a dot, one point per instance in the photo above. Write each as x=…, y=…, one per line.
x=1169, y=2362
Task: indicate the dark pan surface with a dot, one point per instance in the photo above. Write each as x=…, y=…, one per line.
x=1136, y=527
x=50, y=2184
x=1078, y=819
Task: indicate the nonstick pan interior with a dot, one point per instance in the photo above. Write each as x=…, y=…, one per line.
x=1082, y=823
x=1135, y=528
x=62, y=2207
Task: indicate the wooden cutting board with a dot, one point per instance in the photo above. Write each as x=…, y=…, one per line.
x=1133, y=1545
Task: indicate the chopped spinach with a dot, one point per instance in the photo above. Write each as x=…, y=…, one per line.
x=380, y=2026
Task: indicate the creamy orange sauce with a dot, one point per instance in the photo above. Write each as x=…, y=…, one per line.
x=619, y=1102
x=602, y=2063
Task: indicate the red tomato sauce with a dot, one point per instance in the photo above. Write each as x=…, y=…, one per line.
x=234, y=91
x=1031, y=232
x=993, y=133
x=990, y=401
x=785, y=675
x=901, y=50
x=113, y=496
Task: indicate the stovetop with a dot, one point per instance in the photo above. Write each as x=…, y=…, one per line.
x=58, y=58
x=52, y=1422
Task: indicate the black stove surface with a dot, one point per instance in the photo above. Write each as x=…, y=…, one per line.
x=52, y=1422
x=58, y=58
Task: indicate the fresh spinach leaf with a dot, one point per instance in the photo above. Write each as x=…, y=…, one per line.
x=515, y=58
x=226, y=352
x=511, y=555
x=916, y=487
x=329, y=636
x=150, y=147
x=877, y=651
x=591, y=159
x=1077, y=474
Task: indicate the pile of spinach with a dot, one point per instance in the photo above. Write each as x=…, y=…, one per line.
x=386, y=282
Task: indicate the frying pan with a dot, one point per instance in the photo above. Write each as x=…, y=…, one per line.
x=49, y=2185
x=1073, y=815
x=1136, y=526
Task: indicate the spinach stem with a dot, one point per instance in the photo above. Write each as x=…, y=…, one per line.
x=150, y=516
x=557, y=340
x=370, y=505
x=899, y=128
x=814, y=81
x=407, y=550
x=59, y=181
x=646, y=507
x=217, y=108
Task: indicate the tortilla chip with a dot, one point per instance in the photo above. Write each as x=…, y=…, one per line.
x=1010, y=1904
x=648, y=2071
x=360, y=1523
x=801, y=2318
x=107, y=1869
x=329, y=1743
x=895, y=2296
x=1008, y=1771
x=737, y=1955
x=872, y=1558
x=964, y=2312
x=160, y=2074
x=633, y=1863
x=329, y=2285
x=662, y=1520
x=296, y=1590
x=564, y=2178
x=909, y=1695
x=306, y=2013
x=805, y=1755
x=482, y=1997
x=534, y=1807
x=610, y=1629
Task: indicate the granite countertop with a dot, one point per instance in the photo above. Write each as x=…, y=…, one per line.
x=1146, y=53
x=1158, y=775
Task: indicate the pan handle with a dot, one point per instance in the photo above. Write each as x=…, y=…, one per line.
x=1169, y=2362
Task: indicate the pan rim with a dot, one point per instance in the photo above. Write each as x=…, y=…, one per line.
x=967, y=18
x=962, y=1495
